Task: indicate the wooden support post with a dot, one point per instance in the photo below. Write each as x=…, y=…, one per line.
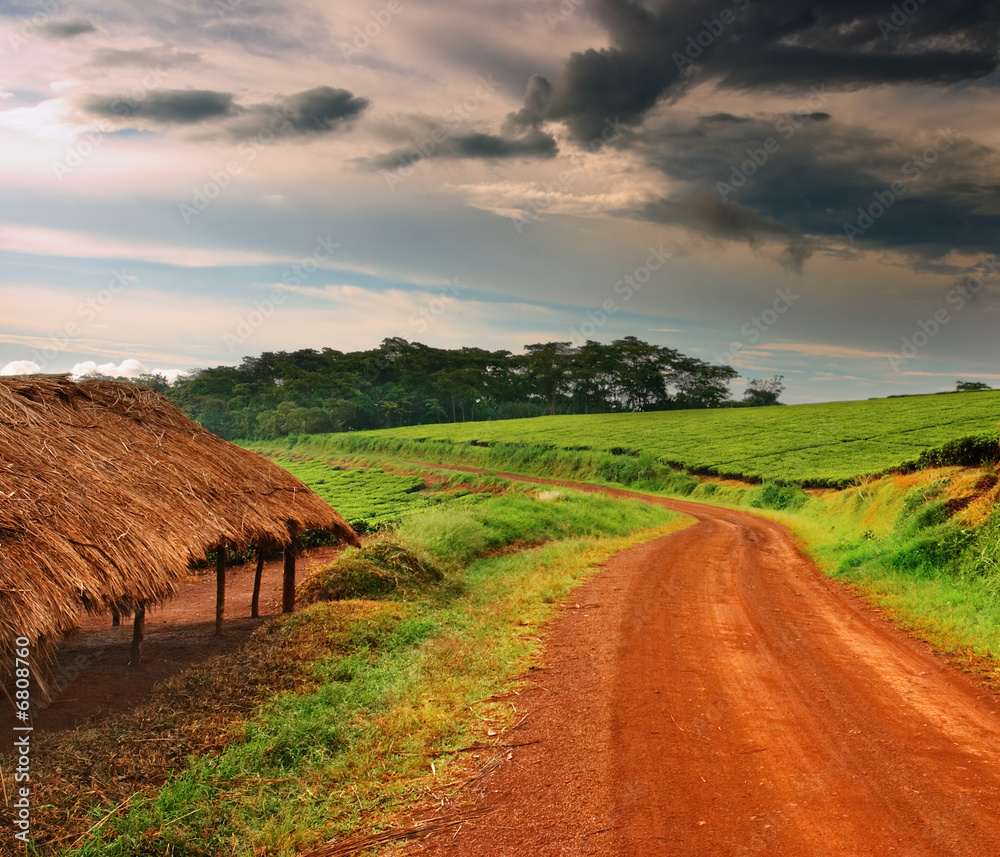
x=116, y=617
x=138, y=632
x=255, y=601
x=288, y=582
x=220, y=587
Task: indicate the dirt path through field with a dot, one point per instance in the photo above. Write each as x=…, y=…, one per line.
x=712, y=693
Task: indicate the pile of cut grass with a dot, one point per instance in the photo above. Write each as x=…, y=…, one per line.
x=382, y=569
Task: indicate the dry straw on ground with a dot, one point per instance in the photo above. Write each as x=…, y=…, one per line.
x=108, y=493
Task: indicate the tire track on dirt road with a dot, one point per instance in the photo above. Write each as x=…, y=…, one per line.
x=715, y=694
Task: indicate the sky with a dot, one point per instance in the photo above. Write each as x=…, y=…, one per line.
x=801, y=189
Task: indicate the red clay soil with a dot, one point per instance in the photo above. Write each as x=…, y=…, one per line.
x=98, y=680
x=712, y=693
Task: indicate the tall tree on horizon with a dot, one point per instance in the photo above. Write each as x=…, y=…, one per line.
x=548, y=367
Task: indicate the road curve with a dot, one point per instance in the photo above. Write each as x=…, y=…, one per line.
x=712, y=693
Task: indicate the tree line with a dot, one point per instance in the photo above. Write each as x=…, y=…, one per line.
x=408, y=383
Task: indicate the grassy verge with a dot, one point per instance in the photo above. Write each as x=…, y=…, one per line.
x=899, y=542
x=336, y=718
x=923, y=545
x=642, y=471
x=826, y=444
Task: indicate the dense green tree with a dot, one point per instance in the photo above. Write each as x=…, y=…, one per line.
x=547, y=371
x=408, y=383
x=593, y=373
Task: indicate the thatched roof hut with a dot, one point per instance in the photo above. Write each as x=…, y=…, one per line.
x=108, y=494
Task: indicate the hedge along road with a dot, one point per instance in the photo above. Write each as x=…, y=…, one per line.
x=712, y=693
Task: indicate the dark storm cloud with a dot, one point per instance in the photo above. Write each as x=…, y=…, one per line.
x=163, y=56
x=66, y=29
x=806, y=181
x=311, y=112
x=660, y=49
x=169, y=106
x=730, y=221
x=795, y=68
x=439, y=144
x=596, y=86
x=318, y=110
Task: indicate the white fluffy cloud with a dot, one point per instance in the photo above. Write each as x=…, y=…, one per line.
x=126, y=369
x=21, y=367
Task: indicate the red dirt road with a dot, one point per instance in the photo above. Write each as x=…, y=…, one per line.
x=715, y=694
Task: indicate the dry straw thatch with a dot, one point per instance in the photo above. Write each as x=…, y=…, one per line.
x=108, y=493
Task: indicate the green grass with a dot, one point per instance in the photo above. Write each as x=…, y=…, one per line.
x=374, y=495
x=816, y=444
x=345, y=735
x=456, y=534
x=348, y=736
x=937, y=575
x=367, y=496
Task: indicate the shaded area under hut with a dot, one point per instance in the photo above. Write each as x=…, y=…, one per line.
x=109, y=494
